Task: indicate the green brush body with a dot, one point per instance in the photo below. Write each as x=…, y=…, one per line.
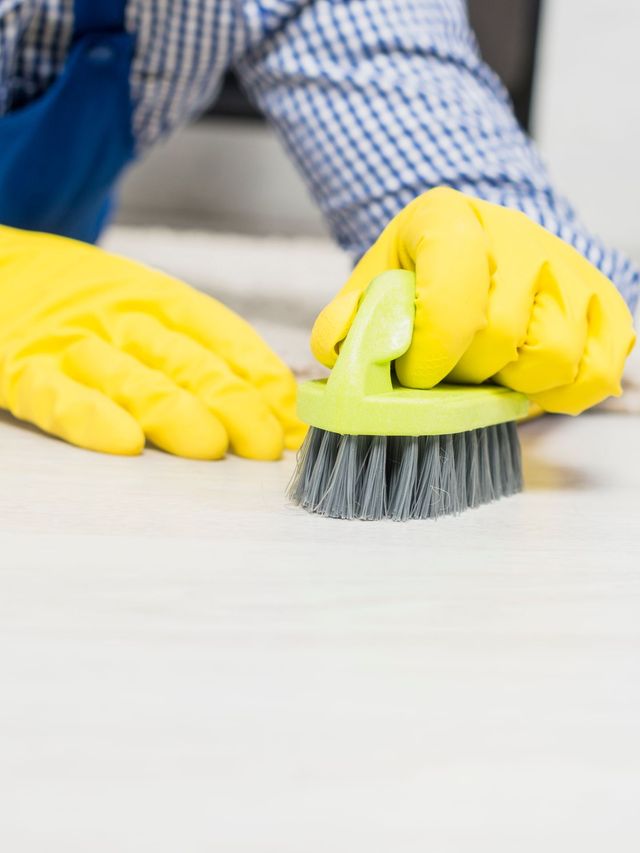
x=377, y=449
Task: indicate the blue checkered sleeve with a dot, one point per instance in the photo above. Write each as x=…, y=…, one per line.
x=376, y=100
x=379, y=100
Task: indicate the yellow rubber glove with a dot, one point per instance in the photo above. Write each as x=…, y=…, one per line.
x=498, y=297
x=102, y=351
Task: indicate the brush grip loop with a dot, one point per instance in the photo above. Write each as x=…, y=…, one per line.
x=381, y=332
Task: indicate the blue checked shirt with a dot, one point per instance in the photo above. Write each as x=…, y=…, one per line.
x=375, y=100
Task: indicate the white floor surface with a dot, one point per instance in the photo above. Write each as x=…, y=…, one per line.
x=189, y=664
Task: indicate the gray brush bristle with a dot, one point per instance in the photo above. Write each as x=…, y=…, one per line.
x=398, y=477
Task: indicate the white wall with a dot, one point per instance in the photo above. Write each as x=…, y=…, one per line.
x=223, y=175
x=587, y=111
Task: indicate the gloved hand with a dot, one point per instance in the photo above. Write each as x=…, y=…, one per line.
x=102, y=352
x=498, y=297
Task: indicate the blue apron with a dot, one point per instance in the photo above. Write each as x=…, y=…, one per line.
x=61, y=155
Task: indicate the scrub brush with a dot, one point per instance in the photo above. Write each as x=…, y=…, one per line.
x=377, y=449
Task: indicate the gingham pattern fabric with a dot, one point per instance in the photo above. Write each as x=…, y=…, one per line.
x=376, y=100
x=34, y=40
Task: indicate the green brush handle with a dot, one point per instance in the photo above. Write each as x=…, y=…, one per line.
x=360, y=398
x=380, y=333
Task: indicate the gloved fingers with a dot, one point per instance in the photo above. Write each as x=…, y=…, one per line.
x=225, y=334
x=39, y=392
x=610, y=339
x=552, y=351
x=515, y=280
x=254, y=430
x=498, y=343
x=334, y=321
x=171, y=417
x=449, y=247
x=294, y=433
